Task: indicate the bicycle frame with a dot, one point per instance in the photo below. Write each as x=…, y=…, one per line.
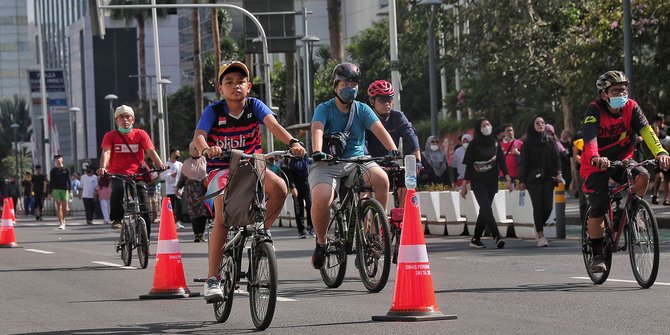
x=615, y=197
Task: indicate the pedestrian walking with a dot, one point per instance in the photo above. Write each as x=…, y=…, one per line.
x=190, y=187
x=27, y=188
x=296, y=170
x=539, y=172
x=512, y=149
x=457, y=159
x=171, y=177
x=40, y=185
x=104, y=195
x=483, y=160
x=89, y=185
x=61, y=189
x=436, y=169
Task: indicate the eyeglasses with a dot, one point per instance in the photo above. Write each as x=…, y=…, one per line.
x=385, y=99
x=618, y=91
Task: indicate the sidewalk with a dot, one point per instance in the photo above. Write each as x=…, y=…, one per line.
x=662, y=213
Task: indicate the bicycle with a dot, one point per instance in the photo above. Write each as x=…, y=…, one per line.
x=367, y=225
x=635, y=223
x=262, y=274
x=396, y=176
x=133, y=227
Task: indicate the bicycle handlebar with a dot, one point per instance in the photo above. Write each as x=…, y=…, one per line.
x=359, y=159
x=277, y=153
x=133, y=175
x=631, y=164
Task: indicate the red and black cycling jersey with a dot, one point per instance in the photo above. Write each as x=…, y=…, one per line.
x=609, y=135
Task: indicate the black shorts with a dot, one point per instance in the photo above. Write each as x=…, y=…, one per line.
x=597, y=186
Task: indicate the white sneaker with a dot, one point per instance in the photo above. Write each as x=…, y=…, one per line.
x=61, y=227
x=179, y=225
x=542, y=241
x=212, y=291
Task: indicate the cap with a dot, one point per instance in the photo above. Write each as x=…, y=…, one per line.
x=226, y=68
x=123, y=109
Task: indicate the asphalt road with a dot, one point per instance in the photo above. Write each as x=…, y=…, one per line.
x=71, y=282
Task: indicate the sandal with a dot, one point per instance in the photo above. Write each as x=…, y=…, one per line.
x=654, y=200
x=666, y=203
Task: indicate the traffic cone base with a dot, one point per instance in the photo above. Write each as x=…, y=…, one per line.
x=413, y=295
x=169, y=282
x=7, y=236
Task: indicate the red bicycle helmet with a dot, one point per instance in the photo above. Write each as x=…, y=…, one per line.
x=380, y=87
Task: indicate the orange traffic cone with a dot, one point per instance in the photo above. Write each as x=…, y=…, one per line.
x=7, y=237
x=169, y=279
x=414, y=295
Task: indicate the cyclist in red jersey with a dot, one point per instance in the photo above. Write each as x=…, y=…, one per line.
x=608, y=126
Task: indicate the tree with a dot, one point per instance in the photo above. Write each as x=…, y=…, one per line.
x=335, y=29
x=12, y=111
x=182, y=118
x=197, y=60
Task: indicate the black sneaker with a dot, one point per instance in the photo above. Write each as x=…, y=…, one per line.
x=598, y=264
x=500, y=243
x=319, y=256
x=476, y=243
x=302, y=235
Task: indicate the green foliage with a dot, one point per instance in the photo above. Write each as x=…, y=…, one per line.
x=12, y=111
x=181, y=117
x=434, y=188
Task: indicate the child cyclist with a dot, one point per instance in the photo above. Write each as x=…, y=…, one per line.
x=234, y=123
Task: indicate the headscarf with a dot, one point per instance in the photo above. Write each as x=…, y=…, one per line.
x=194, y=167
x=437, y=159
x=533, y=136
x=549, y=129
x=481, y=138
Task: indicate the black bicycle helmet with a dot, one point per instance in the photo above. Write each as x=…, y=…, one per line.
x=346, y=71
x=610, y=78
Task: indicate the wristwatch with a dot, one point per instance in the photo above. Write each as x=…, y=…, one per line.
x=292, y=141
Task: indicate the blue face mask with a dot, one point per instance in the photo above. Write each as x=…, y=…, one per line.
x=124, y=130
x=618, y=102
x=348, y=94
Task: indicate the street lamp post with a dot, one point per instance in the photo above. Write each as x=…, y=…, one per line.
x=74, y=111
x=111, y=98
x=432, y=67
x=16, y=147
x=163, y=82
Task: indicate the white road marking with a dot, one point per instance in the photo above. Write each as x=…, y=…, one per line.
x=243, y=292
x=115, y=265
x=39, y=251
x=623, y=281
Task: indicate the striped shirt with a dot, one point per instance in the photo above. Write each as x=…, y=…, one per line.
x=230, y=132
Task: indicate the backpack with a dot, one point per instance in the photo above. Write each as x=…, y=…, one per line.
x=242, y=186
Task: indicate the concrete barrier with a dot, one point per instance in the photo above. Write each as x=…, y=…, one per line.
x=287, y=215
x=450, y=210
x=500, y=209
x=524, y=225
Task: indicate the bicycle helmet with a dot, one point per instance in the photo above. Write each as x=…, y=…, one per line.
x=380, y=87
x=610, y=78
x=346, y=71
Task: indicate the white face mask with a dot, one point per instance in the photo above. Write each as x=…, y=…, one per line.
x=434, y=147
x=486, y=131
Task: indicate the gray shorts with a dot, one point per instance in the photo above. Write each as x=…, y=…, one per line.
x=323, y=173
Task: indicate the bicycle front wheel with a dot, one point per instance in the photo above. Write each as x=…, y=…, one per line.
x=588, y=254
x=126, y=243
x=263, y=285
x=334, y=269
x=643, y=241
x=373, y=246
x=142, y=242
x=228, y=281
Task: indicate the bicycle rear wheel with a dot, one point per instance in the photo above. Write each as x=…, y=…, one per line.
x=228, y=281
x=643, y=244
x=334, y=269
x=395, y=242
x=587, y=252
x=142, y=242
x=373, y=246
x=263, y=285
x=126, y=243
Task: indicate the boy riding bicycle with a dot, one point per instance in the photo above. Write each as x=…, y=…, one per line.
x=608, y=125
x=234, y=123
x=331, y=117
